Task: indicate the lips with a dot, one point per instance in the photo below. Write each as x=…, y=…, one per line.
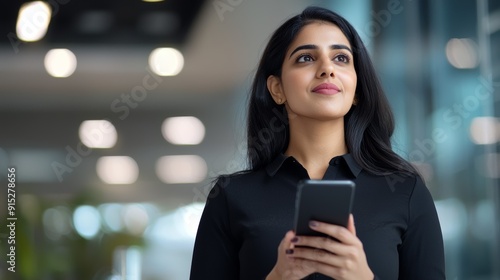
x=326, y=88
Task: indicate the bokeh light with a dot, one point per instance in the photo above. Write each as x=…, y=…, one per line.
x=181, y=169
x=33, y=21
x=117, y=169
x=98, y=134
x=87, y=221
x=187, y=130
x=60, y=63
x=166, y=61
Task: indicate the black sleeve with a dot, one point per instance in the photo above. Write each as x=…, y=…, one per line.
x=421, y=255
x=215, y=254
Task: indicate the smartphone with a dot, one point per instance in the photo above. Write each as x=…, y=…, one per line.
x=328, y=201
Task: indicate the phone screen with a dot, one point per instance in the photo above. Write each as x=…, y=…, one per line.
x=327, y=201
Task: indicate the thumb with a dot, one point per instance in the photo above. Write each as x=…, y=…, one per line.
x=286, y=243
x=350, y=224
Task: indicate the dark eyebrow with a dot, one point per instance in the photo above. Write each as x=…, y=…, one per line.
x=340, y=47
x=314, y=47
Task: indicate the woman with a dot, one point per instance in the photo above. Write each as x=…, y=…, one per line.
x=317, y=111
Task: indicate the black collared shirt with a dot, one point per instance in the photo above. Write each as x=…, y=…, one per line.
x=247, y=216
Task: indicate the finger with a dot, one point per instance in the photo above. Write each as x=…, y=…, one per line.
x=315, y=266
x=323, y=243
x=350, y=224
x=339, y=232
x=287, y=244
x=317, y=255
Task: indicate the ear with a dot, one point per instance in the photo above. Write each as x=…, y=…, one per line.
x=276, y=90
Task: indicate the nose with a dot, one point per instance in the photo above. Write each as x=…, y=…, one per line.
x=326, y=68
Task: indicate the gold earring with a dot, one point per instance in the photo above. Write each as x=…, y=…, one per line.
x=280, y=101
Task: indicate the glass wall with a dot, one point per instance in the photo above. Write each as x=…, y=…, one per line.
x=437, y=62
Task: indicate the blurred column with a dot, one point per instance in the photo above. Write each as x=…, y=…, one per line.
x=488, y=14
x=127, y=263
x=432, y=86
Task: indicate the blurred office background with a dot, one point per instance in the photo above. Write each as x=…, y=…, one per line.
x=117, y=116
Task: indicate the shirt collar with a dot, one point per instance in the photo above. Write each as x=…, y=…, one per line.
x=276, y=164
x=352, y=164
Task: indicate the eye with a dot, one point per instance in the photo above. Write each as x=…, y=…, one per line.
x=342, y=58
x=304, y=58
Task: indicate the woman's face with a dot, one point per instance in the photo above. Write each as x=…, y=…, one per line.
x=318, y=78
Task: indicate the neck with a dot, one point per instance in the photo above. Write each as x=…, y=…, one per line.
x=314, y=143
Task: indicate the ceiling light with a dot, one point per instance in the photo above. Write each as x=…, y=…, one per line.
x=181, y=169
x=462, y=53
x=98, y=134
x=166, y=61
x=186, y=130
x=117, y=169
x=483, y=130
x=33, y=21
x=60, y=63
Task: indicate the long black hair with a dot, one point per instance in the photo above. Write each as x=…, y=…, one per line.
x=368, y=125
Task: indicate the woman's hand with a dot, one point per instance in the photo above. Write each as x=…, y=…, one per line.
x=287, y=267
x=341, y=260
